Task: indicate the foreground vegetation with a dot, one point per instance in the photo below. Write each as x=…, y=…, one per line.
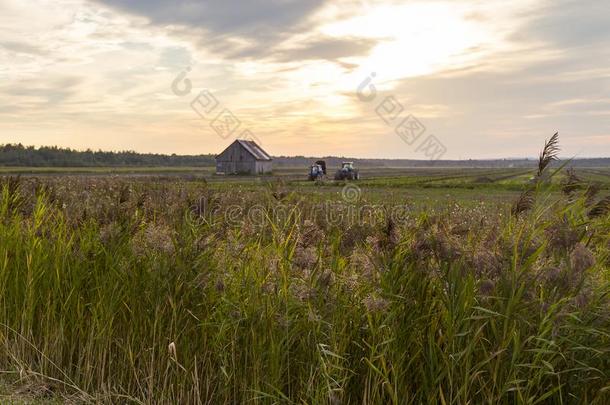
x=175, y=292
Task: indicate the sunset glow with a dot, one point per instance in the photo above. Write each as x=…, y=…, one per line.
x=98, y=74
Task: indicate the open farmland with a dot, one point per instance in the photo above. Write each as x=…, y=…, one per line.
x=284, y=202
x=409, y=286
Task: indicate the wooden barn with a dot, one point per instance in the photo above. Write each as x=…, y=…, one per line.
x=244, y=157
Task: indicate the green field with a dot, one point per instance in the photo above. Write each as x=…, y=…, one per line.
x=156, y=285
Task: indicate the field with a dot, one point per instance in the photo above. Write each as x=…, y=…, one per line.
x=433, y=285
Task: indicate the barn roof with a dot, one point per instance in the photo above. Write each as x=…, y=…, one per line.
x=254, y=149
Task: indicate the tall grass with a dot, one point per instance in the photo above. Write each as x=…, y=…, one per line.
x=110, y=292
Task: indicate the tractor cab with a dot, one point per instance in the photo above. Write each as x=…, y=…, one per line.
x=316, y=170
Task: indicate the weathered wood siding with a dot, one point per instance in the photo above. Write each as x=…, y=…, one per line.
x=264, y=166
x=237, y=160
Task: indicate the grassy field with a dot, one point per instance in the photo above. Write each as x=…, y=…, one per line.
x=409, y=286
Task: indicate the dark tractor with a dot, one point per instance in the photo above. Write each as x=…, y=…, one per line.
x=347, y=172
x=317, y=171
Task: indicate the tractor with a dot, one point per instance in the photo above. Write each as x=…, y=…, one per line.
x=347, y=172
x=317, y=171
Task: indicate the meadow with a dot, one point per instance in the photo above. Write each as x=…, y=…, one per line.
x=410, y=286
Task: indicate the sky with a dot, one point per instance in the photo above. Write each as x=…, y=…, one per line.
x=377, y=79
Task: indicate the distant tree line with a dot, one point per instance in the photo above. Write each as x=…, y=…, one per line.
x=52, y=156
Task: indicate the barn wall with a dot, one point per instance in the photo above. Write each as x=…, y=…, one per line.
x=230, y=167
x=264, y=167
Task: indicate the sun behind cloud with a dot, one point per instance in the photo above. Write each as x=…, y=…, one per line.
x=485, y=76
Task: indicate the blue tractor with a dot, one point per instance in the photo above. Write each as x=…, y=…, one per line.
x=347, y=172
x=317, y=171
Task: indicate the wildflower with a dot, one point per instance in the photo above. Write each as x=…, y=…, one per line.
x=305, y=258
x=351, y=283
x=374, y=303
x=154, y=238
x=235, y=247
x=310, y=234
x=109, y=232
x=354, y=235
x=362, y=264
x=274, y=265
x=372, y=241
x=447, y=248
x=172, y=351
x=247, y=229
x=460, y=230
x=583, y=298
x=391, y=236
x=485, y=263
x=561, y=236
x=327, y=278
x=553, y=275
x=421, y=247
x=581, y=259
x=203, y=243
x=269, y=287
x=486, y=287
x=301, y=292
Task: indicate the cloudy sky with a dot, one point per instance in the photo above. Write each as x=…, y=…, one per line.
x=488, y=78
